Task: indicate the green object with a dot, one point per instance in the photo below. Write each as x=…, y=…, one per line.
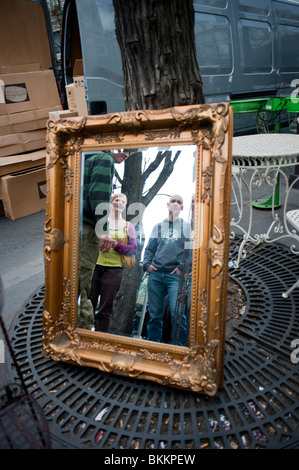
x=266, y=203
x=292, y=105
x=248, y=106
x=272, y=106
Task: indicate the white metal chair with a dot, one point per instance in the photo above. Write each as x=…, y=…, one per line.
x=293, y=218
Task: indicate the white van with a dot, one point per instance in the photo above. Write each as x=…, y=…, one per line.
x=245, y=49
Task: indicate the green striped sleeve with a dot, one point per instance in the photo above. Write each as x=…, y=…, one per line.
x=98, y=175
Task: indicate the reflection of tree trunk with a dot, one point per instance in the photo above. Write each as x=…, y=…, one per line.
x=124, y=304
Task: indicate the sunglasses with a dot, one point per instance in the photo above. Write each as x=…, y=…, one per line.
x=172, y=201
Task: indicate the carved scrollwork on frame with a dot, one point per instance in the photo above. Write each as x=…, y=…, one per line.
x=64, y=138
x=165, y=133
x=216, y=251
x=60, y=339
x=197, y=371
x=218, y=117
x=203, y=320
x=54, y=239
x=207, y=184
x=59, y=148
x=130, y=121
x=123, y=365
x=204, y=132
x=108, y=139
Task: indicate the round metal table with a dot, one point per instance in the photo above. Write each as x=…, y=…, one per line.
x=257, y=407
x=263, y=159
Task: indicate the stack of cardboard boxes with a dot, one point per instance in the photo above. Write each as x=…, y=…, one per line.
x=27, y=96
x=28, y=92
x=27, y=100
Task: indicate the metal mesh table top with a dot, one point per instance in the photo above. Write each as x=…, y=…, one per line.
x=257, y=407
x=293, y=217
x=266, y=145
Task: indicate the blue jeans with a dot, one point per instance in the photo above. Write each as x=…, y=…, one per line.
x=159, y=285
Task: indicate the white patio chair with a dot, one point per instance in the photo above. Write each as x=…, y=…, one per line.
x=293, y=218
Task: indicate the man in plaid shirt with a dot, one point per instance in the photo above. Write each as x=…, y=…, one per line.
x=97, y=188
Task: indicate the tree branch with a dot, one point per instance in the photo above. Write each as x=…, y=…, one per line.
x=119, y=179
x=165, y=173
x=153, y=166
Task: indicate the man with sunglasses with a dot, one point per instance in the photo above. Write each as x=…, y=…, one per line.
x=163, y=259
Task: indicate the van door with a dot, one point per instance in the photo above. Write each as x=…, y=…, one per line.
x=214, y=39
x=26, y=36
x=235, y=48
x=286, y=18
x=89, y=33
x=254, y=48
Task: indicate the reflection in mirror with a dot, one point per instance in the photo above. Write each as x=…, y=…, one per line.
x=161, y=165
x=139, y=213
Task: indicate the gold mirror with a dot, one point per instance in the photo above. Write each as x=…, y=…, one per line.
x=166, y=208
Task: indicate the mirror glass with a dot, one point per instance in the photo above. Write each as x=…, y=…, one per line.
x=150, y=213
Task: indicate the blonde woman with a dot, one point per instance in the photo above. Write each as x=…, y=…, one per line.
x=108, y=272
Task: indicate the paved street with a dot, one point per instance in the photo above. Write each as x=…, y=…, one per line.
x=21, y=260
x=21, y=264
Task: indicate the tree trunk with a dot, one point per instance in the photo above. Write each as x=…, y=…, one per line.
x=157, y=43
x=156, y=39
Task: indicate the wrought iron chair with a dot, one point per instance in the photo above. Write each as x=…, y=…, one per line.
x=292, y=217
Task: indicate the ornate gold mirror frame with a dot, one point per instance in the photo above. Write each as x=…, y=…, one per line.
x=198, y=367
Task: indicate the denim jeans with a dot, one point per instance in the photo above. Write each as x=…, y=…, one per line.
x=159, y=285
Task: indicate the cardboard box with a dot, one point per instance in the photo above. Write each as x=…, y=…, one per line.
x=26, y=121
x=65, y=114
x=23, y=193
x=22, y=162
x=26, y=170
x=26, y=126
x=24, y=36
x=24, y=142
x=28, y=91
x=79, y=89
x=70, y=96
x=80, y=96
x=19, y=68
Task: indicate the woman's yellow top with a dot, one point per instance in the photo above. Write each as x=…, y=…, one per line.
x=112, y=258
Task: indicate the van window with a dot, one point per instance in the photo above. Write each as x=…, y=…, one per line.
x=255, y=7
x=288, y=40
x=287, y=10
x=211, y=3
x=104, y=12
x=213, y=44
x=255, y=46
